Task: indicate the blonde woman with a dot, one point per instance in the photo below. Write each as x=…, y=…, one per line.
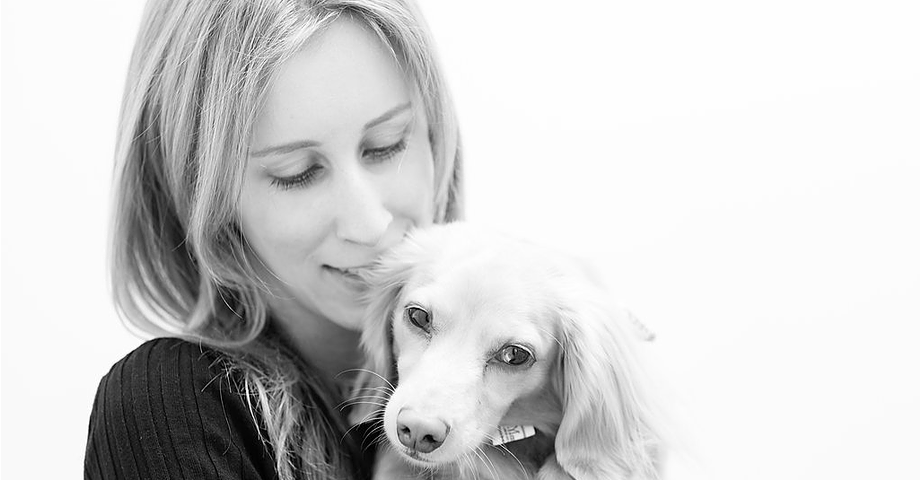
x=268, y=150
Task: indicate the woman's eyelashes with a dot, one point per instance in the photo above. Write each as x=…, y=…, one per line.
x=382, y=154
x=308, y=176
x=302, y=179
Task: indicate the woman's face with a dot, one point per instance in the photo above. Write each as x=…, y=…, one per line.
x=340, y=168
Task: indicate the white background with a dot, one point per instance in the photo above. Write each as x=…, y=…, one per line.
x=746, y=174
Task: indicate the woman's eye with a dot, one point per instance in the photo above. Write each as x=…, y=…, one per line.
x=419, y=318
x=382, y=154
x=514, y=355
x=301, y=179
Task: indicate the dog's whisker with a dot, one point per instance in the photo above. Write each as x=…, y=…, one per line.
x=466, y=467
x=358, y=398
x=457, y=466
x=491, y=465
x=377, y=441
x=352, y=404
x=471, y=463
x=376, y=417
x=428, y=472
x=364, y=370
x=367, y=418
x=490, y=438
x=487, y=462
x=382, y=390
x=376, y=436
x=377, y=406
x=461, y=466
x=478, y=452
x=366, y=397
x=516, y=459
x=475, y=458
x=377, y=395
x=378, y=433
x=368, y=443
x=376, y=387
x=476, y=471
x=348, y=431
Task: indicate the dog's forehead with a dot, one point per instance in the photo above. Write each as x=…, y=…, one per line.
x=485, y=280
x=470, y=273
x=503, y=303
x=466, y=244
x=469, y=296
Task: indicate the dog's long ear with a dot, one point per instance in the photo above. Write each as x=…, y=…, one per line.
x=377, y=378
x=607, y=426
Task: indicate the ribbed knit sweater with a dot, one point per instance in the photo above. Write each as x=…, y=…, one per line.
x=169, y=410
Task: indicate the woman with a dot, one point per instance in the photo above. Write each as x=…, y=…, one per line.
x=267, y=151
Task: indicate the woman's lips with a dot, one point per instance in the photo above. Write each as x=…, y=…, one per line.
x=350, y=277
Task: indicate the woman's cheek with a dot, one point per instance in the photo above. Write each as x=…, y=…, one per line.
x=284, y=228
x=413, y=185
x=299, y=225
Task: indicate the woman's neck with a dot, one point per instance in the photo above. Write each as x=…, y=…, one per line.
x=330, y=348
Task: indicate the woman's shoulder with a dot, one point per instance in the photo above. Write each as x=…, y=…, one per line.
x=170, y=368
x=172, y=409
x=168, y=359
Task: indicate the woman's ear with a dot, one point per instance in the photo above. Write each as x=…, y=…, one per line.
x=606, y=430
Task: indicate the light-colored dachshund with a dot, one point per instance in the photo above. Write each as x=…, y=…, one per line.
x=494, y=340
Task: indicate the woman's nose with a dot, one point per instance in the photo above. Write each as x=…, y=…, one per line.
x=363, y=218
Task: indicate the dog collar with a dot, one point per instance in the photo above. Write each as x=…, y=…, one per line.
x=510, y=433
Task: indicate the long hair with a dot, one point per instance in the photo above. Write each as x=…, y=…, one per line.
x=198, y=77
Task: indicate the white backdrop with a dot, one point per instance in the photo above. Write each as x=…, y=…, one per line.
x=746, y=174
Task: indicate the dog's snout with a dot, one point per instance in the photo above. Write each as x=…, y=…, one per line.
x=420, y=433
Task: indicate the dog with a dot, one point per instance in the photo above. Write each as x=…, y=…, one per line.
x=489, y=339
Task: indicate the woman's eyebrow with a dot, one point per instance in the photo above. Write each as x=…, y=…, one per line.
x=389, y=114
x=284, y=148
x=299, y=144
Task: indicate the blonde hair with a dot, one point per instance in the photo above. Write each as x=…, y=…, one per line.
x=197, y=80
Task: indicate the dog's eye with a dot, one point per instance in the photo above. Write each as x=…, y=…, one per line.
x=419, y=318
x=514, y=355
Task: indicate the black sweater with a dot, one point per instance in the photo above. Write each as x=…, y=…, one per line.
x=168, y=410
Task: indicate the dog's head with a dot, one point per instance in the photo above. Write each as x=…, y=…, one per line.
x=486, y=331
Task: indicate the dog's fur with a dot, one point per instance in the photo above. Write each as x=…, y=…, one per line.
x=483, y=291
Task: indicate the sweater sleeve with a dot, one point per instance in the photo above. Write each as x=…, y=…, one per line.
x=168, y=410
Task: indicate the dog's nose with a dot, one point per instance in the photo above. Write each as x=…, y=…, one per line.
x=420, y=433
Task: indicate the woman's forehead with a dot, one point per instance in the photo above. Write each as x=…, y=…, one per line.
x=339, y=81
